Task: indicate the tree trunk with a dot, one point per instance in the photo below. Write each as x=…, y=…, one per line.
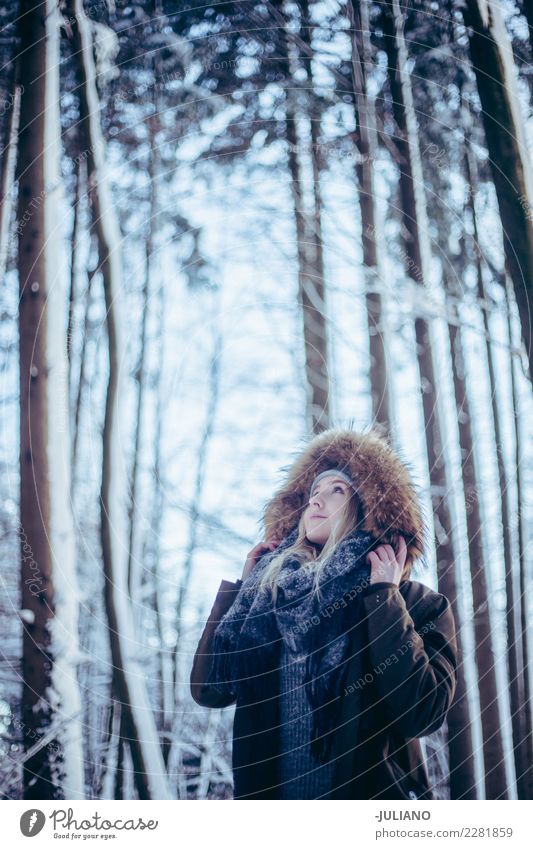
x=50, y=698
x=311, y=291
x=366, y=145
x=110, y=753
x=153, y=544
x=490, y=722
x=493, y=64
x=137, y=721
x=81, y=377
x=526, y=780
x=134, y=558
x=514, y=647
x=413, y=218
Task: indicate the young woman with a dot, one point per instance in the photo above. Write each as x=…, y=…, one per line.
x=336, y=660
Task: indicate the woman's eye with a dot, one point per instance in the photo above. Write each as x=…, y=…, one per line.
x=336, y=488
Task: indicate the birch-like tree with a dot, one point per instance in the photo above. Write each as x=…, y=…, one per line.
x=514, y=644
x=417, y=255
x=137, y=721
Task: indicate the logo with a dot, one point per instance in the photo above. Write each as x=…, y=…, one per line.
x=32, y=822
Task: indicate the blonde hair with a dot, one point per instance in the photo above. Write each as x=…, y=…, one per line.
x=308, y=553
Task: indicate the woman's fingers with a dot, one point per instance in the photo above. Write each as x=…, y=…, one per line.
x=373, y=559
x=265, y=545
x=383, y=565
x=379, y=569
x=402, y=551
x=390, y=553
x=384, y=552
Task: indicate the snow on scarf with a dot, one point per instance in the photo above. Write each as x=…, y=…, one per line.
x=248, y=638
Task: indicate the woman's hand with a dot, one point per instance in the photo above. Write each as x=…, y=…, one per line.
x=386, y=564
x=256, y=552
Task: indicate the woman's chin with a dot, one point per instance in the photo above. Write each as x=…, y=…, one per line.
x=315, y=538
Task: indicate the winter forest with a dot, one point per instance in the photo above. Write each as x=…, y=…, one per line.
x=225, y=227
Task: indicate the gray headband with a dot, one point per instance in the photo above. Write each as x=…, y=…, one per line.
x=337, y=472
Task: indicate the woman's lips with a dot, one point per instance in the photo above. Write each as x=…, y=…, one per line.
x=318, y=517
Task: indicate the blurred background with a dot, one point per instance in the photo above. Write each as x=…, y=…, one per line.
x=224, y=228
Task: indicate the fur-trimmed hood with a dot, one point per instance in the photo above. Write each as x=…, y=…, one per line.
x=381, y=478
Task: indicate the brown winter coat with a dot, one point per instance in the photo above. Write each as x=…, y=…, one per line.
x=406, y=634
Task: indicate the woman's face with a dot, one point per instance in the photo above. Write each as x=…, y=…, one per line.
x=326, y=508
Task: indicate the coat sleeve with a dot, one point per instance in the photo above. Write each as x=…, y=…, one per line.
x=413, y=669
x=205, y=692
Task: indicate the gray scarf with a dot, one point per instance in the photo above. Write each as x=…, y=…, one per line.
x=246, y=648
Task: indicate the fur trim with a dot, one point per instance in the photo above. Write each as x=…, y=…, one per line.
x=382, y=480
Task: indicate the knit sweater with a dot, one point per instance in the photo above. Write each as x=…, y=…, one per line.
x=301, y=775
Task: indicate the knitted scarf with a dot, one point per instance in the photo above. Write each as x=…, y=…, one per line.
x=246, y=647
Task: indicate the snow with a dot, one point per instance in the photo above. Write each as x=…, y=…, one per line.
x=106, y=47
x=27, y=616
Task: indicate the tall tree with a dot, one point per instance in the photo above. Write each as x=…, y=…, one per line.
x=367, y=147
x=492, y=60
x=302, y=132
x=53, y=762
x=416, y=251
x=525, y=780
x=134, y=553
x=137, y=719
x=514, y=643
